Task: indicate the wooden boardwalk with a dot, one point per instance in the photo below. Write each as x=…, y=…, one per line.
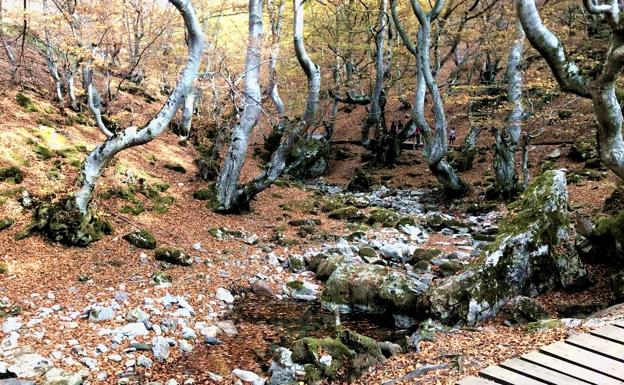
x=594, y=358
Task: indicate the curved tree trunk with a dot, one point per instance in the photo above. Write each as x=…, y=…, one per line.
x=507, y=141
x=102, y=155
x=602, y=90
x=188, y=109
x=435, y=140
x=227, y=183
x=277, y=165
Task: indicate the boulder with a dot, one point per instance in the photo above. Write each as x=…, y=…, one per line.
x=173, y=256
x=348, y=213
x=372, y=289
x=533, y=253
x=142, y=239
x=524, y=310
x=29, y=365
x=57, y=376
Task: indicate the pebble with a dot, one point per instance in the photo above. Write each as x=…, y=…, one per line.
x=224, y=295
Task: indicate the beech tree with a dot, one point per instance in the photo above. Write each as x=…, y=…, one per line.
x=601, y=89
x=239, y=198
x=507, y=140
x=435, y=138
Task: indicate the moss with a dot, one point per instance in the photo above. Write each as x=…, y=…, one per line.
x=43, y=152
x=349, y=213
x=425, y=254
x=5, y=223
x=368, y=252
x=11, y=174
x=295, y=285
x=4, y=268
x=543, y=325
x=331, y=204
x=160, y=278
x=203, y=194
x=383, y=216
x=26, y=102
x=135, y=209
x=142, y=239
x=175, y=167
x=173, y=256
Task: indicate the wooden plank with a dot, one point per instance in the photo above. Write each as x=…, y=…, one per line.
x=585, y=359
x=540, y=373
x=565, y=367
x=598, y=345
x=507, y=377
x=611, y=333
x=619, y=324
x=475, y=381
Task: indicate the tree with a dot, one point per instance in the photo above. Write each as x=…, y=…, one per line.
x=241, y=197
x=602, y=89
x=435, y=139
x=75, y=213
x=227, y=183
x=507, y=140
x=276, y=16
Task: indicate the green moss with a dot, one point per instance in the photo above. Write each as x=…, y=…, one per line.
x=5, y=223
x=26, y=102
x=142, y=239
x=425, y=254
x=173, y=256
x=368, y=252
x=11, y=174
x=134, y=209
x=328, y=205
x=349, y=213
x=43, y=152
x=296, y=284
x=543, y=325
x=4, y=268
x=204, y=194
x=383, y=216
x=175, y=167
x=160, y=278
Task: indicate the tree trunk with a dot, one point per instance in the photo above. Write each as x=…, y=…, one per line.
x=276, y=15
x=601, y=90
x=102, y=155
x=227, y=183
x=469, y=150
x=375, y=115
x=435, y=141
x=277, y=165
x=51, y=63
x=507, y=140
x=188, y=109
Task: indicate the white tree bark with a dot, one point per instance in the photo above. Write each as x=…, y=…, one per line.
x=102, y=155
x=277, y=165
x=601, y=90
x=507, y=139
x=230, y=172
x=51, y=63
x=188, y=109
x=276, y=15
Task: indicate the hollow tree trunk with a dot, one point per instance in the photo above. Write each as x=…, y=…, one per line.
x=277, y=165
x=227, y=183
x=101, y=156
x=602, y=89
x=507, y=139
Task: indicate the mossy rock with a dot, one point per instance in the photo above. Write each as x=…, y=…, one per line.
x=425, y=255
x=142, y=239
x=367, y=252
x=161, y=278
x=43, y=152
x=607, y=240
x=62, y=222
x=175, y=167
x=11, y=174
x=204, y=194
x=616, y=284
x=309, y=158
x=331, y=204
x=173, y=256
x=534, y=252
x=349, y=213
x=5, y=223
x=304, y=222
x=384, y=217
x=134, y=209
x=26, y=102
x=361, y=182
x=525, y=310
x=544, y=325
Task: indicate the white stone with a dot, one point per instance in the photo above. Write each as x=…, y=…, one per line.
x=224, y=295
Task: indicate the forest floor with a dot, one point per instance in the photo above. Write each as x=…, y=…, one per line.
x=41, y=274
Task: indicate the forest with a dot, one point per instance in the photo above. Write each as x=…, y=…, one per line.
x=311, y=192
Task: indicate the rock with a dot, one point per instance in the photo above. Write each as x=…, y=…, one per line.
x=15, y=381
x=607, y=240
x=142, y=239
x=296, y=263
x=29, y=365
x=115, y=357
x=617, y=287
x=361, y=182
x=262, y=289
x=224, y=295
x=210, y=331
x=371, y=289
x=533, y=253
x=160, y=348
x=302, y=290
x=578, y=310
x=173, y=256
x=282, y=368
x=144, y=361
x=212, y=341
x=136, y=315
x=185, y=346
x=228, y=327
x=161, y=278
x=247, y=376
x=349, y=213
x=389, y=349
x=424, y=255
x=57, y=376
x=554, y=154
x=382, y=216
x=188, y=333
x=11, y=324
x=101, y=313
x=524, y=310
x=134, y=329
